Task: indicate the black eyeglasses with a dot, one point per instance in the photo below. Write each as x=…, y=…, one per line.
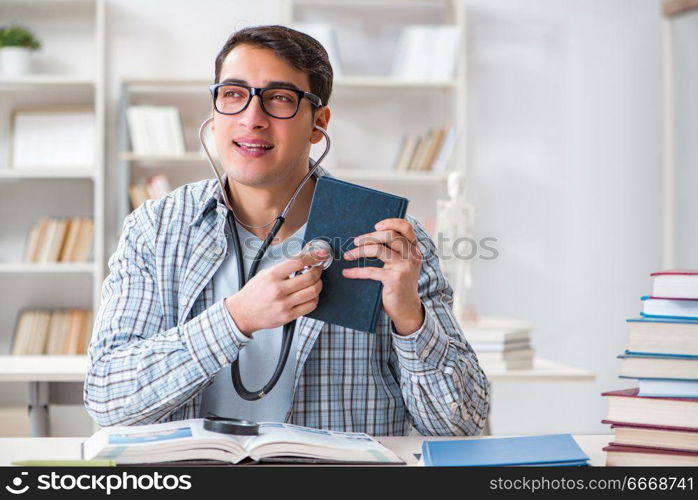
x=277, y=102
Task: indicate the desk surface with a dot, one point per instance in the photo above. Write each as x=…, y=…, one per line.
x=73, y=369
x=14, y=449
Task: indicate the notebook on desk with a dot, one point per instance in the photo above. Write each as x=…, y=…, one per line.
x=551, y=450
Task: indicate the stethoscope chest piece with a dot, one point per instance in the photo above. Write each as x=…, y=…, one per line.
x=231, y=426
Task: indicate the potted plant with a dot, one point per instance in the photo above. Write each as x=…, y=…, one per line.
x=16, y=45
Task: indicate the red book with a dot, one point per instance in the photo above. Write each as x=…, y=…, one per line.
x=625, y=406
x=676, y=283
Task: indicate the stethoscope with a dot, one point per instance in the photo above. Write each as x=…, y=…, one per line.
x=227, y=425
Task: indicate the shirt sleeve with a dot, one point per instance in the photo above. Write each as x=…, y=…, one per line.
x=443, y=386
x=139, y=371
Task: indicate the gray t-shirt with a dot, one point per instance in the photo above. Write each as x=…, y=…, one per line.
x=259, y=357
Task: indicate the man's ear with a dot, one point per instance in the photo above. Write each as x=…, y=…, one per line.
x=322, y=119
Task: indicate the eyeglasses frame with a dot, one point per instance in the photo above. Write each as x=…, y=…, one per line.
x=258, y=91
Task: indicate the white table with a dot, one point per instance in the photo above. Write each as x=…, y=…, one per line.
x=40, y=371
x=15, y=449
x=543, y=371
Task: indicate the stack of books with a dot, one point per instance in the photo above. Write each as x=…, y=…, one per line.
x=155, y=130
x=426, y=153
x=59, y=240
x=656, y=423
x=500, y=344
x=155, y=187
x=54, y=332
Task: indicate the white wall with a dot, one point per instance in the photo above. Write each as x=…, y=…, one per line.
x=565, y=137
x=564, y=117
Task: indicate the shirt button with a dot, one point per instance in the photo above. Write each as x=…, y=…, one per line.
x=222, y=359
x=454, y=407
x=423, y=355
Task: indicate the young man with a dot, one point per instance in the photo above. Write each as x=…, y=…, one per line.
x=172, y=318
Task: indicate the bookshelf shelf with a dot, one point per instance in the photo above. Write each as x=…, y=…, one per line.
x=68, y=74
x=46, y=173
x=36, y=81
x=187, y=158
x=390, y=83
x=57, y=268
x=391, y=176
x=43, y=368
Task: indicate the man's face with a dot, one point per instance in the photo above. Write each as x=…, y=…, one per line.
x=289, y=140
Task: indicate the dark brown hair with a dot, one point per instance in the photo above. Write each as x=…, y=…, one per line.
x=299, y=50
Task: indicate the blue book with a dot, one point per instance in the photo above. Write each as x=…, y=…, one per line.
x=339, y=212
x=551, y=450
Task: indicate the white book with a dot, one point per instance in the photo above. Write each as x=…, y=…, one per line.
x=444, y=156
x=53, y=139
x=445, y=44
x=427, y=53
x=668, y=388
x=136, y=129
x=188, y=440
x=493, y=329
x=176, y=132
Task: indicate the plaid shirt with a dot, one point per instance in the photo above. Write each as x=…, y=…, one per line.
x=159, y=339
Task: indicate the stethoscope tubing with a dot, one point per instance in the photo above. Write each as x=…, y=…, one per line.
x=288, y=328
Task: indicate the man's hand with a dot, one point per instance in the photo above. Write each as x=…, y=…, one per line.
x=271, y=299
x=395, y=243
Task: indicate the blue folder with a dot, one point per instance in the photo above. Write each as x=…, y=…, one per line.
x=550, y=450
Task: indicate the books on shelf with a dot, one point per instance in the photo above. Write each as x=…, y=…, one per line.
x=53, y=240
x=550, y=450
x=662, y=355
x=427, y=53
x=155, y=187
x=500, y=343
x=53, y=138
x=53, y=332
x=155, y=130
x=187, y=440
x=675, y=284
x=669, y=308
x=425, y=153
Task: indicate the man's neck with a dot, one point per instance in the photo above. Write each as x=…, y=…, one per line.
x=259, y=205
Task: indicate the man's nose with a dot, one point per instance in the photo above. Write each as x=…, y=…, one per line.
x=253, y=117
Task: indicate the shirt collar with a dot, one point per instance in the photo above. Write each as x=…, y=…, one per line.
x=213, y=197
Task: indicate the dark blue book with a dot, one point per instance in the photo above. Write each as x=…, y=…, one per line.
x=551, y=450
x=339, y=212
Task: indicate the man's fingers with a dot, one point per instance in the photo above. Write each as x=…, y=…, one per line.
x=301, y=281
x=290, y=266
x=378, y=251
x=390, y=238
x=366, y=273
x=305, y=294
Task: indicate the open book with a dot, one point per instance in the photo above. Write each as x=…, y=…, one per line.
x=187, y=440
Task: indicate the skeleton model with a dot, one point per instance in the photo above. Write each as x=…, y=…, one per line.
x=454, y=227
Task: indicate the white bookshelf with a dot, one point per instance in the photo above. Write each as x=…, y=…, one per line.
x=370, y=107
x=68, y=71
x=442, y=104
